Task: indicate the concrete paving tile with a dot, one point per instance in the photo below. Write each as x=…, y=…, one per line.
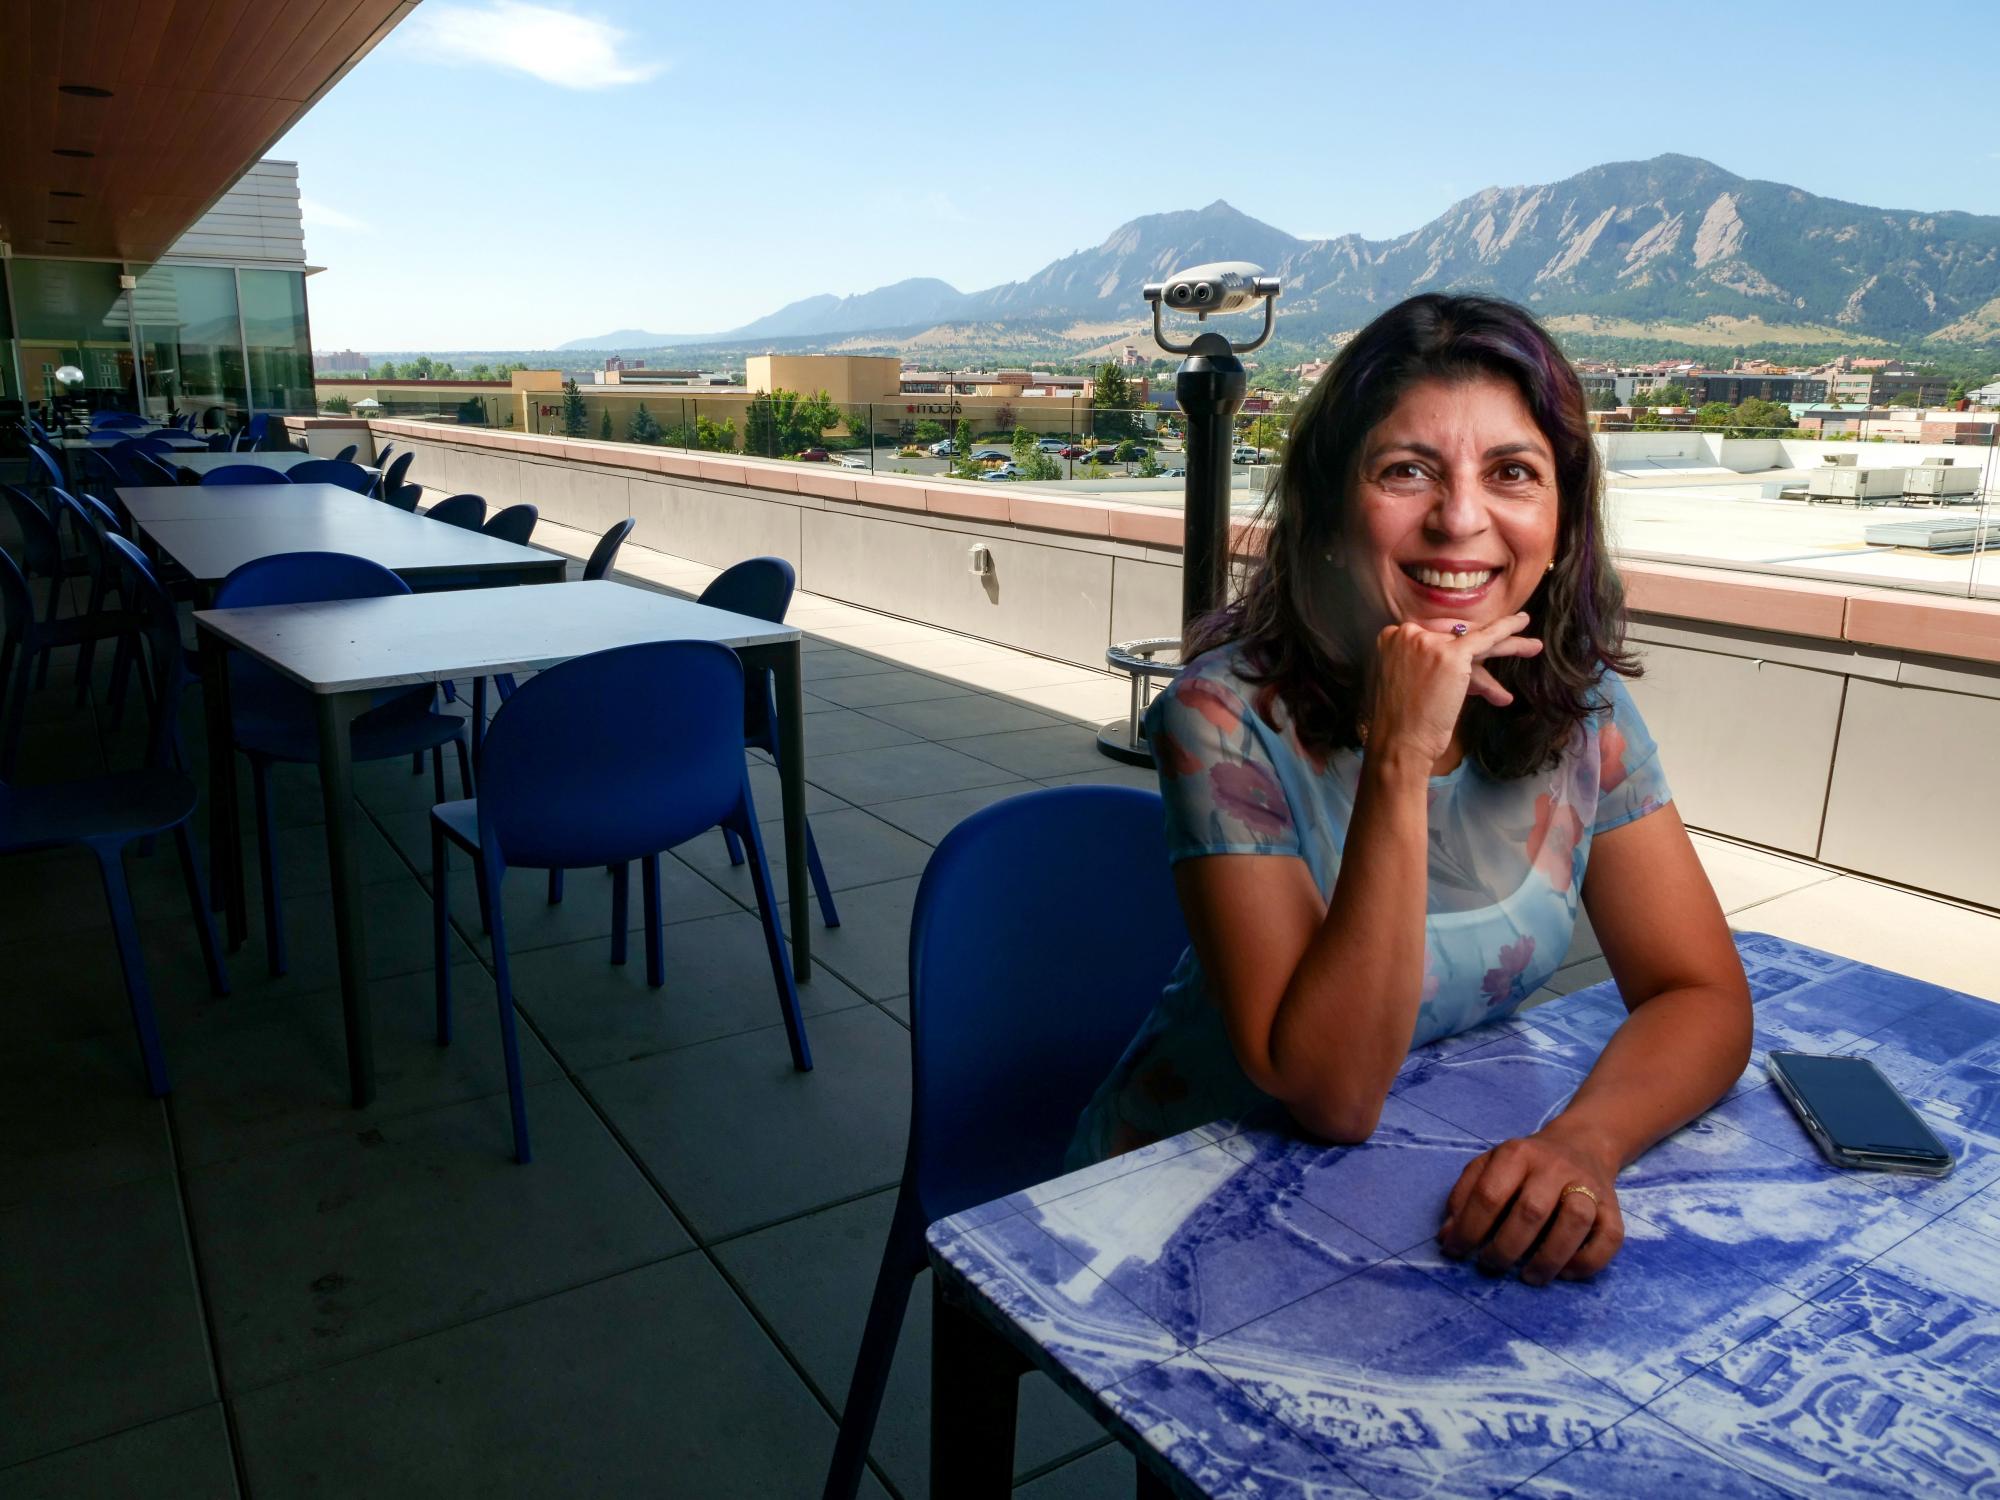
x=870, y=949
x=1106, y=1472
x=1018, y=671
x=279, y=1075
x=177, y=1458
x=1091, y=703
x=900, y=771
x=879, y=630
x=931, y=818
x=953, y=651
x=1111, y=773
x=341, y=1244
x=839, y=661
x=840, y=730
x=1743, y=877
x=855, y=848
x=76, y=1116
x=767, y=798
x=1892, y=929
x=718, y=983
x=886, y=687
x=957, y=718
x=656, y=1381
x=1038, y=752
x=812, y=1279
x=103, y=1325
x=740, y=1139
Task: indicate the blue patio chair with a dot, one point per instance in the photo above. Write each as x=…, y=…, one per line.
x=258, y=426
x=516, y=524
x=393, y=471
x=468, y=511
x=104, y=814
x=242, y=474
x=1044, y=931
x=403, y=496
x=349, y=476
x=605, y=553
x=273, y=720
x=44, y=468
x=99, y=420
x=167, y=668
x=761, y=587
x=87, y=528
x=145, y=442
x=346, y=455
x=602, y=760
x=26, y=642
x=221, y=442
x=148, y=468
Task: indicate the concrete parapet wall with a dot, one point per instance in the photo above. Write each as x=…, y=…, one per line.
x=1820, y=719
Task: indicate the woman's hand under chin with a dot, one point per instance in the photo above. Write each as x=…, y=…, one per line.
x=1511, y=1207
x=1424, y=673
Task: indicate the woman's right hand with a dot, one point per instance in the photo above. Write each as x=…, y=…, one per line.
x=1424, y=674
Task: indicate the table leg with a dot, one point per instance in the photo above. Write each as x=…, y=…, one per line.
x=975, y=1390
x=225, y=837
x=336, y=714
x=790, y=687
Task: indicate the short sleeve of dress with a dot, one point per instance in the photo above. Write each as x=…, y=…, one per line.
x=1218, y=772
x=1630, y=781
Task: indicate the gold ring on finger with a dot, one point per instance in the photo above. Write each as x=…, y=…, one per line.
x=1576, y=1187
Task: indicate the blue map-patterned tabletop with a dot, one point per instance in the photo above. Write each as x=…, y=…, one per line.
x=1260, y=1316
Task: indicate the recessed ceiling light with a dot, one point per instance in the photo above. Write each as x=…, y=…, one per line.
x=62, y=242
x=83, y=90
x=63, y=193
x=62, y=221
x=73, y=151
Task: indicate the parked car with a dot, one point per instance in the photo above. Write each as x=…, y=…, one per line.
x=1070, y=450
x=943, y=448
x=991, y=455
x=851, y=460
x=1054, y=445
x=1173, y=473
x=1246, y=456
x=1102, y=456
x=815, y=456
x=1005, y=471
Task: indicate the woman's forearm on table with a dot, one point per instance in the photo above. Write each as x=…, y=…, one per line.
x=1673, y=1057
x=1344, y=1023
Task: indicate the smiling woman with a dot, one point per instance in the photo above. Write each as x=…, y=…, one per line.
x=1396, y=767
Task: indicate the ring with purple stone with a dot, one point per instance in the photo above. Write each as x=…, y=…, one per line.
x=1460, y=628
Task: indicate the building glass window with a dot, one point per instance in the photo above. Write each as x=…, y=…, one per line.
x=7, y=391
x=72, y=312
x=280, y=344
x=190, y=341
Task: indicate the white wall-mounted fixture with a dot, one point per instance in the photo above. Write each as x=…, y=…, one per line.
x=979, y=561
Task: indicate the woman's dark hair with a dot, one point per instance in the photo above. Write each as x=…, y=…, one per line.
x=1312, y=657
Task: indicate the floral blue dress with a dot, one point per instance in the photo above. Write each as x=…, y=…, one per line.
x=1506, y=871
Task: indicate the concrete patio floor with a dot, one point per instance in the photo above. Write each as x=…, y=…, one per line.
x=249, y=1288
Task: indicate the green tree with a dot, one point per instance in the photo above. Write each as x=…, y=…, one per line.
x=1265, y=431
x=963, y=465
x=643, y=427
x=604, y=427
x=1716, y=414
x=336, y=403
x=385, y=371
x=715, y=437
x=1673, y=393
x=1126, y=451
x=575, y=418
x=1756, y=417
x=1005, y=417
x=928, y=431
x=1601, y=400
x=760, y=426
x=1149, y=464
x=480, y=371
x=472, y=412
x=1110, y=403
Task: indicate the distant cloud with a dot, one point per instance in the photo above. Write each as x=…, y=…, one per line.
x=557, y=46
x=328, y=217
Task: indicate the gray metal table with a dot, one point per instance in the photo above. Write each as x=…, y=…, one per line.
x=281, y=462
x=346, y=651
x=212, y=533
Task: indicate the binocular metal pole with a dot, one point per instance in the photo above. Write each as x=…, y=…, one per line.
x=1210, y=388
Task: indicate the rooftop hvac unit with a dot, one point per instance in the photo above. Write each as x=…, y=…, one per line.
x=1861, y=486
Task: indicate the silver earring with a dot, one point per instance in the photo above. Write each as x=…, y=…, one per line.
x=1551, y=567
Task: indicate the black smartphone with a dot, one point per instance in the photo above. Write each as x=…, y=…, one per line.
x=1856, y=1116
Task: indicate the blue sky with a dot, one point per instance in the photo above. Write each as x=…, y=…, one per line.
x=505, y=174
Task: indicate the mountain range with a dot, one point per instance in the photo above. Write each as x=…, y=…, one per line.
x=1625, y=247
